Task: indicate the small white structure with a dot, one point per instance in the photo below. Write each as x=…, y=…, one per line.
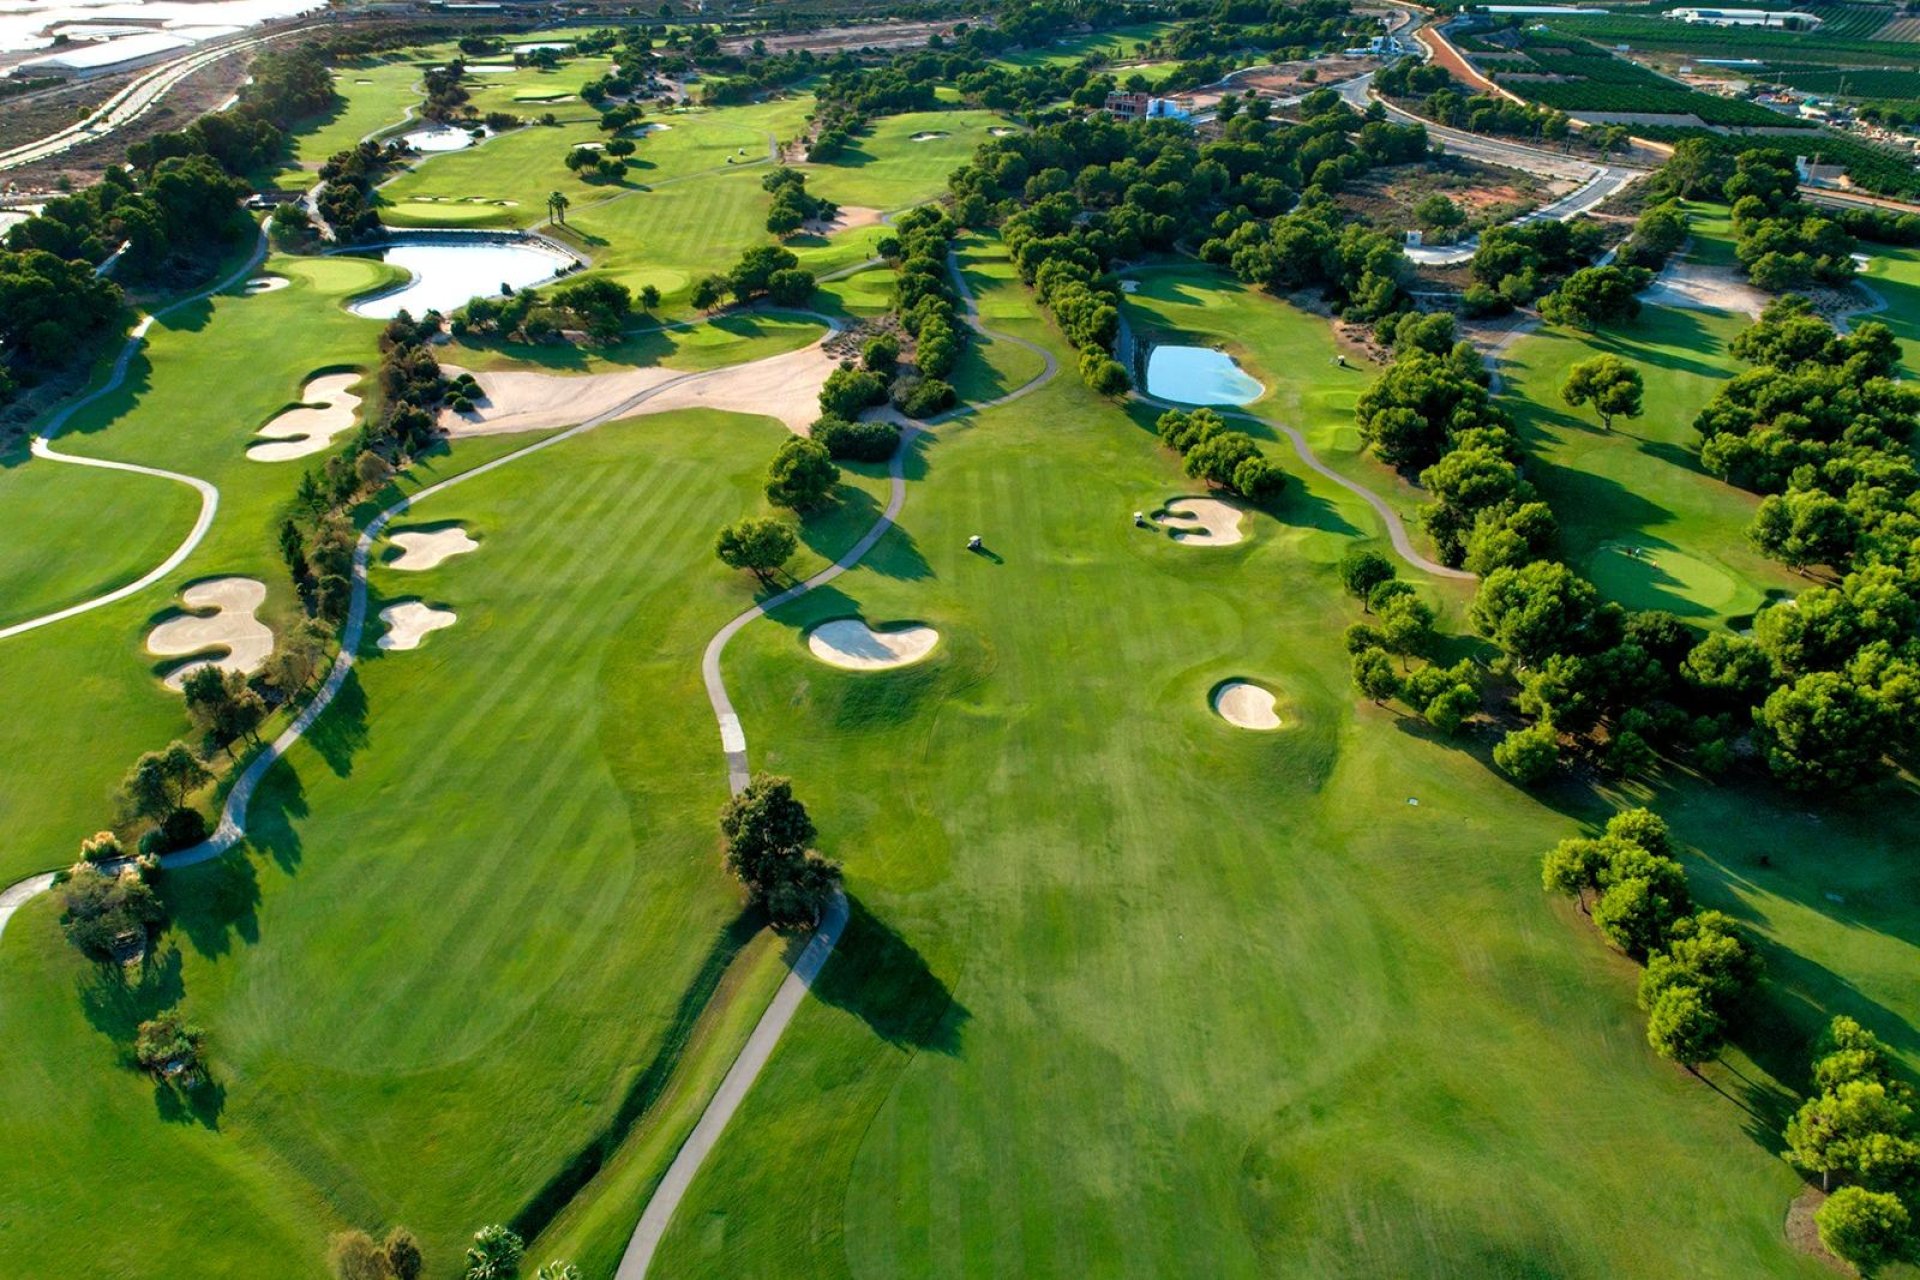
x=1782, y=18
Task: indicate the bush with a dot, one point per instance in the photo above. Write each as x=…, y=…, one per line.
x=880, y=354
x=922, y=397
x=181, y=829
x=102, y=846
x=801, y=475
x=857, y=441
x=1529, y=754
x=848, y=391
x=1867, y=1228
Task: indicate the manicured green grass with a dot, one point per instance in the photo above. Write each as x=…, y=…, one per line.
x=1637, y=512
x=1128, y=991
x=393, y=85
x=477, y=904
x=92, y=531
x=887, y=169
x=1120, y=42
x=1895, y=275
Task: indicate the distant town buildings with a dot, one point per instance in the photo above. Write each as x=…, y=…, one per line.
x=1143, y=106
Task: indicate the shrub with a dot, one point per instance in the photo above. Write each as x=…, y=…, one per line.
x=181, y=829
x=1867, y=1228
x=801, y=475
x=848, y=391
x=857, y=441
x=922, y=397
x=1529, y=754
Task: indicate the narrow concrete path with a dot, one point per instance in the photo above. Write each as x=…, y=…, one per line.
x=1396, y=527
x=720, y=1109
x=209, y=496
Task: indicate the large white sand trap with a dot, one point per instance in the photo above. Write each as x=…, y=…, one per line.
x=310, y=427
x=425, y=548
x=266, y=284
x=409, y=622
x=928, y=136
x=851, y=217
x=1246, y=706
x=1204, y=522
x=851, y=643
x=230, y=626
x=786, y=387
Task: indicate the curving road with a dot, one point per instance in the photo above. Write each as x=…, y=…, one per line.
x=766, y=1033
x=134, y=101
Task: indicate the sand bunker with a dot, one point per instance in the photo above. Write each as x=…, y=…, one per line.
x=409, y=622
x=1698, y=287
x=786, y=387
x=851, y=643
x=928, y=136
x=230, y=626
x=850, y=218
x=1246, y=706
x=266, y=284
x=1202, y=521
x=1000, y=131
x=311, y=427
x=425, y=548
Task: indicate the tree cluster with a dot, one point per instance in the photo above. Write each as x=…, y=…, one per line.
x=1699, y=966
x=764, y=270
x=792, y=207
x=1783, y=242
x=1516, y=264
x=106, y=909
x=927, y=308
x=344, y=200
x=355, y=1255
x=171, y=1049
x=770, y=849
x=1860, y=1129
x=1402, y=627
x=1224, y=459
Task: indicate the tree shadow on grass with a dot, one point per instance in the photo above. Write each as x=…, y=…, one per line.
x=199, y=1104
x=280, y=799
x=647, y=1086
x=215, y=903
x=878, y=976
x=116, y=1001
x=341, y=730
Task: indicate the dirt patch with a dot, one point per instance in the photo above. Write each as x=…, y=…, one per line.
x=1246, y=706
x=1201, y=522
x=852, y=644
x=1804, y=1235
x=850, y=218
x=223, y=618
x=786, y=387
x=1698, y=287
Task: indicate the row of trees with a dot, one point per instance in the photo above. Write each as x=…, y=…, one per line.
x=497, y=1253
x=1699, y=966
x=1224, y=459
x=1860, y=1129
x=928, y=312
x=1402, y=627
x=764, y=270
x=1821, y=426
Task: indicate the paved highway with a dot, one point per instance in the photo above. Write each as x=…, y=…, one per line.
x=135, y=100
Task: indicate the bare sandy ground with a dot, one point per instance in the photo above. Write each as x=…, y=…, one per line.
x=1205, y=522
x=231, y=626
x=786, y=387
x=409, y=622
x=851, y=643
x=850, y=218
x=422, y=549
x=1246, y=706
x=1698, y=287
x=327, y=412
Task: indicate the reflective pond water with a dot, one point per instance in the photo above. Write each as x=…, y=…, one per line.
x=1199, y=375
x=447, y=273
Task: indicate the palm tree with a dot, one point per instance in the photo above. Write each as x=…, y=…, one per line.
x=557, y=207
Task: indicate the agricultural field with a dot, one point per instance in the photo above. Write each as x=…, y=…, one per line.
x=1820, y=46
x=1589, y=79
x=1155, y=941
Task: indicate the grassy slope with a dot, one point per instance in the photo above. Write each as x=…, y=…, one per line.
x=889, y=170
x=570, y=670
x=1158, y=996
x=393, y=85
x=1120, y=42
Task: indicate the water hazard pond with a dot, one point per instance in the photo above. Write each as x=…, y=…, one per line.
x=448, y=272
x=1199, y=375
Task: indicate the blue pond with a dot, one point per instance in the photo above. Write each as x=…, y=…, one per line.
x=1199, y=375
x=447, y=272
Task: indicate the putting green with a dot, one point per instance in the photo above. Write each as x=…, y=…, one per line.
x=1641, y=577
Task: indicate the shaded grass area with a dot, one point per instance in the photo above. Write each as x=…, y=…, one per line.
x=1137, y=993
x=730, y=339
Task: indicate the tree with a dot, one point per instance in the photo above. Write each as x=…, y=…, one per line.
x=1406, y=624
x=222, y=705
x=848, y=391
x=170, y=1047
x=494, y=1254
x=709, y=292
x=649, y=297
x=801, y=475
x=558, y=1269
x=1804, y=527
x=1362, y=571
x=353, y=1255
x=1868, y=1228
x=1574, y=867
x=1834, y=1131
x=1438, y=213
x=769, y=837
x=1682, y=1026
x=1374, y=676
x=1593, y=296
x=759, y=544
x=404, y=1258
x=1823, y=732
x=101, y=910
x=160, y=781
x=1610, y=384
x=557, y=205
x=1535, y=610
x=1530, y=754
